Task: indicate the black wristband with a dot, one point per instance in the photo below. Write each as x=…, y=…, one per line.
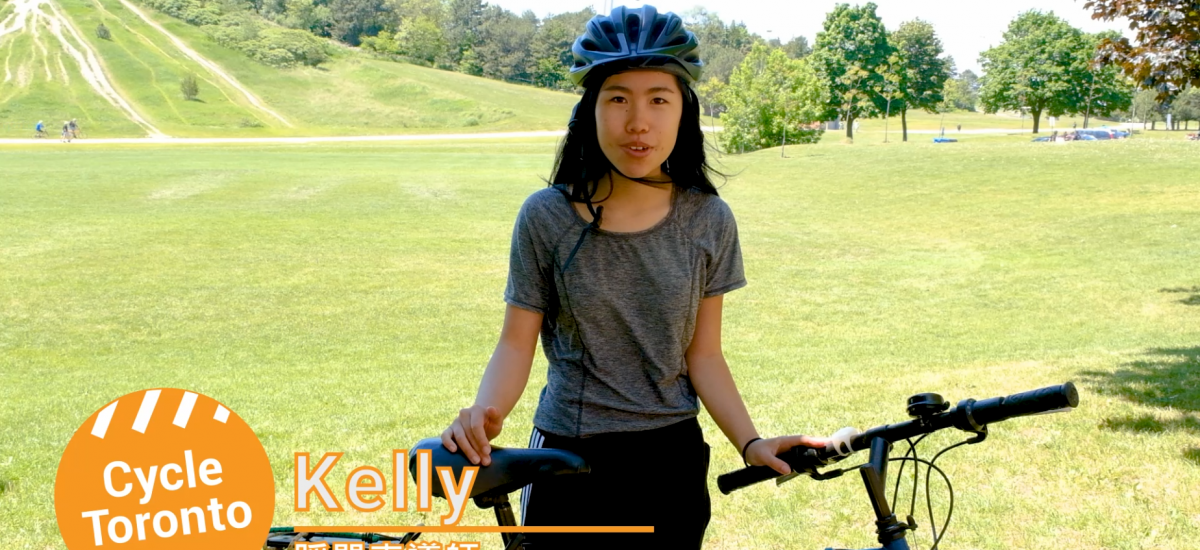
x=747, y=446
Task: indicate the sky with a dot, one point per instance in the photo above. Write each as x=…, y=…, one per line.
x=965, y=27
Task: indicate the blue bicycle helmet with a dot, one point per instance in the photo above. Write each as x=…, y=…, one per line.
x=631, y=38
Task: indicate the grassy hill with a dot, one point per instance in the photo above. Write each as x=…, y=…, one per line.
x=351, y=94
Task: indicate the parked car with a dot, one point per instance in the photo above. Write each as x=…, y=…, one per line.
x=1097, y=133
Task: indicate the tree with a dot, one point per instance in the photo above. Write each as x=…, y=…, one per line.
x=1166, y=54
x=102, y=32
x=709, y=92
x=722, y=46
x=1145, y=107
x=1033, y=67
x=1186, y=107
x=308, y=16
x=848, y=55
x=972, y=82
x=503, y=48
x=1100, y=89
x=353, y=19
x=720, y=61
x=551, y=48
x=797, y=48
x=961, y=92
x=710, y=30
x=463, y=18
x=189, y=87
x=401, y=10
x=769, y=97
x=420, y=39
x=922, y=72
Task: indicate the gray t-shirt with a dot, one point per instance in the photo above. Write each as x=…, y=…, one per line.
x=618, y=321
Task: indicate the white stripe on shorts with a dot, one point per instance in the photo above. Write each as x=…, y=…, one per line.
x=536, y=439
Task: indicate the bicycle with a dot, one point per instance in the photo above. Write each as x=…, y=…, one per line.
x=513, y=468
x=40, y=134
x=930, y=414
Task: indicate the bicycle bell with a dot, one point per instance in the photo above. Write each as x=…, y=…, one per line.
x=926, y=404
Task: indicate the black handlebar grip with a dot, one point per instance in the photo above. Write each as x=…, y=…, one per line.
x=1020, y=404
x=745, y=477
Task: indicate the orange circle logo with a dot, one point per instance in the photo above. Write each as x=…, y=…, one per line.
x=164, y=468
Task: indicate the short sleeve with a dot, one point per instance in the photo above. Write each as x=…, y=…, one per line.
x=724, y=266
x=528, y=265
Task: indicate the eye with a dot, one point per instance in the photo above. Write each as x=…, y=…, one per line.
x=617, y=99
x=659, y=101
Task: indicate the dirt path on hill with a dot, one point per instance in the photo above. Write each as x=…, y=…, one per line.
x=213, y=68
x=29, y=16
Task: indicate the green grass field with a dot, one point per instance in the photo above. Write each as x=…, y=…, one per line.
x=344, y=298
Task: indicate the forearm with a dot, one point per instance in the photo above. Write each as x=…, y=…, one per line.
x=505, y=378
x=714, y=384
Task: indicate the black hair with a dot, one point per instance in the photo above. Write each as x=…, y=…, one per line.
x=581, y=164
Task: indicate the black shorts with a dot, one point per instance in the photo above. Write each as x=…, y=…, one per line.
x=655, y=477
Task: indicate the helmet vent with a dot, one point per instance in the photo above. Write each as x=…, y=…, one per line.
x=657, y=31
x=610, y=33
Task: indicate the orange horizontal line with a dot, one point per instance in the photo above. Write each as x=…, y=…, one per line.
x=472, y=529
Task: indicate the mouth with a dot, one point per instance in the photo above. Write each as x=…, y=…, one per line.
x=637, y=150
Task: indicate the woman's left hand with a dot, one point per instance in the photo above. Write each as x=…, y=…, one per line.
x=764, y=451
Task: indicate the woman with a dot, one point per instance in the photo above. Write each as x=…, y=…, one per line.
x=621, y=265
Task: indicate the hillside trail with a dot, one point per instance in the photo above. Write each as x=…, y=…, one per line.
x=27, y=16
x=208, y=65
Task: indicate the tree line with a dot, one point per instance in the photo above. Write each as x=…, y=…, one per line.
x=765, y=91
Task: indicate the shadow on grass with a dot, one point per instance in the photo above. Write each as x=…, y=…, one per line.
x=1167, y=378
x=1193, y=300
x=1149, y=424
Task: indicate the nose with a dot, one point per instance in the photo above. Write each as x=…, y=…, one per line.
x=636, y=121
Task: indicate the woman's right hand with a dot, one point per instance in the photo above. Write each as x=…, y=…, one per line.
x=472, y=432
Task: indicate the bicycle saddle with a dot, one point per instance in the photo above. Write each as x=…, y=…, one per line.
x=510, y=470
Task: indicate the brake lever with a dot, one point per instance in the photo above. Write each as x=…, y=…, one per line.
x=801, y=463
x=980, y=435
x=811, y=472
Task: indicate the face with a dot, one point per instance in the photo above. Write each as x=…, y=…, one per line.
x=637, y=121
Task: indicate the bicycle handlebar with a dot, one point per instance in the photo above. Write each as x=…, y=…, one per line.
x=969, y=415
x=1037, y=401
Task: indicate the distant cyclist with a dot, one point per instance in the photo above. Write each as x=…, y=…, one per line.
x=66, y=132
x=74, y=127
x=40, y=129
